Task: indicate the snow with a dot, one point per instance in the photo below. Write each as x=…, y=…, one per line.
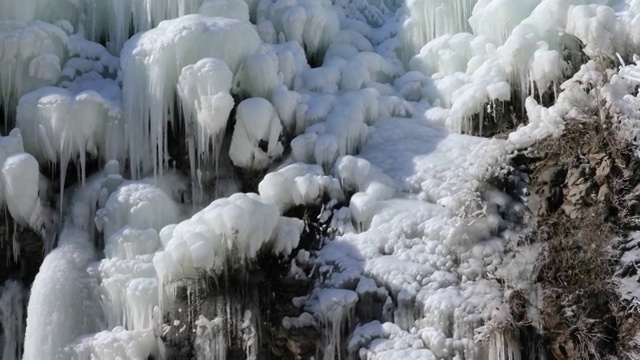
x=118, y=344
x=298, y=184
x=228, y=232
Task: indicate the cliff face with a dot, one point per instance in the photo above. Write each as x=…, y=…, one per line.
x=583, y=196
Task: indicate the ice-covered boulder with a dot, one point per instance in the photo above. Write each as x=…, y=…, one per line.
x=229, y=232
x=139, y=205
x=298, y=184
x=256, y=136
x=20, y=178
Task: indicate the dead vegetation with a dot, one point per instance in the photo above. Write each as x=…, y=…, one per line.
x=584, y=189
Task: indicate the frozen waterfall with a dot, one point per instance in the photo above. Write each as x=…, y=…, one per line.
x=231, y=179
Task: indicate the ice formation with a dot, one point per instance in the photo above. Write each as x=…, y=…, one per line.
x=12, y=301
x=230, y=230
x=366, y=109
x=256, y=136
x=206, y=103
x=151, y=65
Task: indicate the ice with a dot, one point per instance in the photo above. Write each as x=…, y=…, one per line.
x=129, y=242
x=203, y=89
x=596, y=26
x=12, y=306
x=210, y=341
x=232, y=9
x=497, y=19
x=151, y=63
x=60, y=126
x=118, y=344
x=226, y=234
x=256, y=135
x=287, y=235
x=258, y=75
x=20, y=175
x=298, y=184
x=52, y=325
x=31, y=54
x=141, y=206
x=362, y=207
x=432, y=18
x=311, y=23
x=352, y=106
x=335, y=309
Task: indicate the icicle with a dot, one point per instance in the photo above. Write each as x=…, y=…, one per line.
x=15, y=243
x=210, y=343
x=249, y=336
x=12, y=303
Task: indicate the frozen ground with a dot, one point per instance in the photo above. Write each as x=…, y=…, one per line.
x=369, y=108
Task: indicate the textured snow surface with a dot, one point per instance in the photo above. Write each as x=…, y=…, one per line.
x=367, y=108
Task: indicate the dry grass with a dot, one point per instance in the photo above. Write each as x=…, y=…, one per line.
x=579, y=312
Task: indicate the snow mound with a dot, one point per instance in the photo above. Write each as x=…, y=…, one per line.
x=141, y=206
x=298, y=184
x=228, y=232
x=118, y=344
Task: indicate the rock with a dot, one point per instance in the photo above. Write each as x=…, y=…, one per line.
x=603, y=170
x=554, y=199
x=603, y=194
x=554, y=175
x=571, y=211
